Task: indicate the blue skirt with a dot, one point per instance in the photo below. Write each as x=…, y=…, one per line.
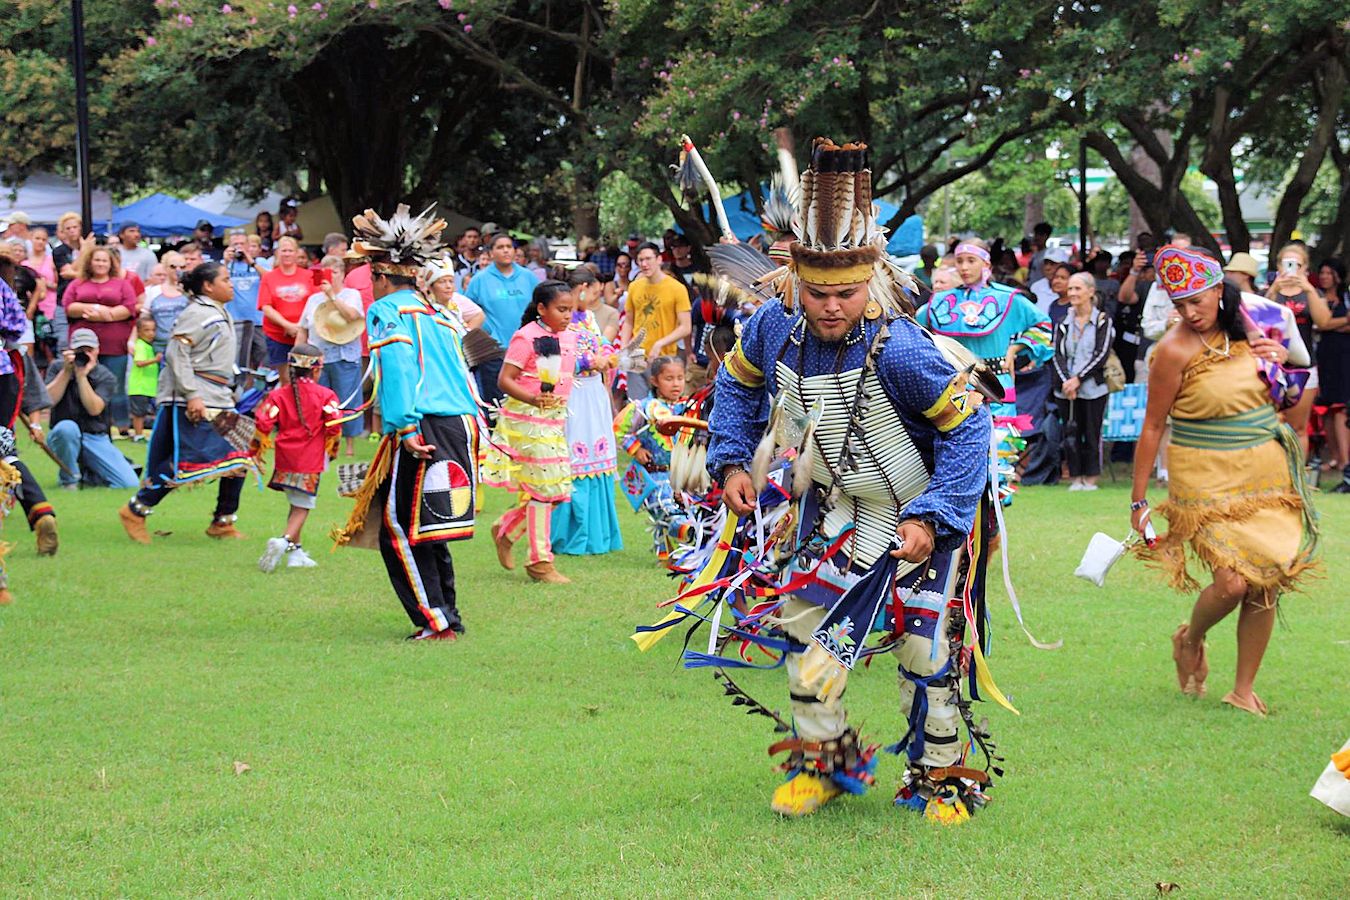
x=587, y=525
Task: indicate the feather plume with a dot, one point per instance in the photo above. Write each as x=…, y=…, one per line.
x=686, y=176
x=726, y=293
x=824, y=210
x=780, y=206
x=765, y=451
x=702, y=482
x=679, y=465
x=807, y=207
x=969, y=369
x=745, y=267
x=843, y=212
x=548, y=362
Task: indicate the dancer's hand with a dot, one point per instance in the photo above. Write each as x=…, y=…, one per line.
x=1265, y=348
x=196, y=409
x=738, y=493
x=643, y=455
x=918, y=538
x=419, y=448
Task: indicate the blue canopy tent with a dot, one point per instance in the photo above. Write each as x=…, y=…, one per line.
x=905, y=241
x=160, y=215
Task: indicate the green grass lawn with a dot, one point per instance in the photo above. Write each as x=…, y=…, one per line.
x=544, y=755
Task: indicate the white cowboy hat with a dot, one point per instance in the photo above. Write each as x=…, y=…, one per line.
x=335, y=328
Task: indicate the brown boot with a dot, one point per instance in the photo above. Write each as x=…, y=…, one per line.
x=45, y=529
x=223, y=531
x=134, y=525
x=545, y=572
x=503, y=545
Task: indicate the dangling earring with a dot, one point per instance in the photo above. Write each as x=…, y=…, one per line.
x=872, y=311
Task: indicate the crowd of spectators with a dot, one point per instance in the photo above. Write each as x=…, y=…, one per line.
x=112, y=301
x=1100, y=304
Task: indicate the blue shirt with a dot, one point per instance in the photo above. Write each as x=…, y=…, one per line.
x=503, y=298
x=950, y=434
x=246, y=280
x=418, y=349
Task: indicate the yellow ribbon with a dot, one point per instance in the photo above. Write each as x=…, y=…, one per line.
x=648, y=639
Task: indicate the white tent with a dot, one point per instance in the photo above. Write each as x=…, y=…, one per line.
x=226, y=201
x=45, y=197
x=316, y=217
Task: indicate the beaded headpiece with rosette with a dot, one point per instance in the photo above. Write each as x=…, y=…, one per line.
x=1184, y=272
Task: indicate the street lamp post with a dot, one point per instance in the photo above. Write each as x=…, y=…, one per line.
x=81, y=115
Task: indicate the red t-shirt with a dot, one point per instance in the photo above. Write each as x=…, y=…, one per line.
x=358, y=279
x=287, y=295
x=137, y=286
x=112, y=336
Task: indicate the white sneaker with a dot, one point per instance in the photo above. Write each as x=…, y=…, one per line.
x=276, y=548
x=299, y=559
x=1076, y=485
x=1085, y=486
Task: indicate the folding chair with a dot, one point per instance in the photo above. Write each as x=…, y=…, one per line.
x=1124, y=419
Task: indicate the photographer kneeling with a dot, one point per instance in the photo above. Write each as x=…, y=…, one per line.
x=81, y=391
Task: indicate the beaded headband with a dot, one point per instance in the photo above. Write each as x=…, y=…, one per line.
x=1184, y=272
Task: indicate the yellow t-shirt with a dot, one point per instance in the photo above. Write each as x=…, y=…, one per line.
x=656, y=307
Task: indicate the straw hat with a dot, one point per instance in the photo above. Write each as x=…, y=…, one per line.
x=335, y=328
x=1244, y=263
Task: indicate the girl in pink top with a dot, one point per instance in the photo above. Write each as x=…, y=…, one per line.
x=528, y=452
x=40, y=261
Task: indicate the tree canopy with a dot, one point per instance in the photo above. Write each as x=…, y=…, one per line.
x=520, y=110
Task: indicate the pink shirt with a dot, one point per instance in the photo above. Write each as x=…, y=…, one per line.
x=47, y=270
x=112, y=336
x=520, y=352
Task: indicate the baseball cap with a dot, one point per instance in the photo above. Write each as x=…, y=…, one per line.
x=19, y=217
x=204, y=223
x=83, y=338
x=1057, y=254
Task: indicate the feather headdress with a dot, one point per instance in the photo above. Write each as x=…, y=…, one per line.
x=401, y=244
x=838, y=240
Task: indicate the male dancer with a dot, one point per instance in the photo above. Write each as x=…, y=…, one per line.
x=887, y=456
x=421, y=481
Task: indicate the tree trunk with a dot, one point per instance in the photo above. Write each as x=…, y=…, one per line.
x=1033, y=211
x=1230, y=202
x=1329, y=88
x=585, y=190
x=1146, y=168
x=1336, y=236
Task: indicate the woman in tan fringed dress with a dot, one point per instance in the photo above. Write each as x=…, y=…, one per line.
x=1236, y=495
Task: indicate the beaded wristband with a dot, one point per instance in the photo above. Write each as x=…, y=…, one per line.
x=1138, y=505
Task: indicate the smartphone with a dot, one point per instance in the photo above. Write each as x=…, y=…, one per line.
x=1289, y=266
x=322, y=276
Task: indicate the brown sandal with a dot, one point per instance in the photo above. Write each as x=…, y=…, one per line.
x=1257, y=707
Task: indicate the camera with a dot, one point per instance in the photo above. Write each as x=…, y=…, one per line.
x=81, y=358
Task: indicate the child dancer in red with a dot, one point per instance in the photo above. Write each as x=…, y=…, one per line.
x=307, y=438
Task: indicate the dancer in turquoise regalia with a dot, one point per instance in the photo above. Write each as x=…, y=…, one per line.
x=1000, y=326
